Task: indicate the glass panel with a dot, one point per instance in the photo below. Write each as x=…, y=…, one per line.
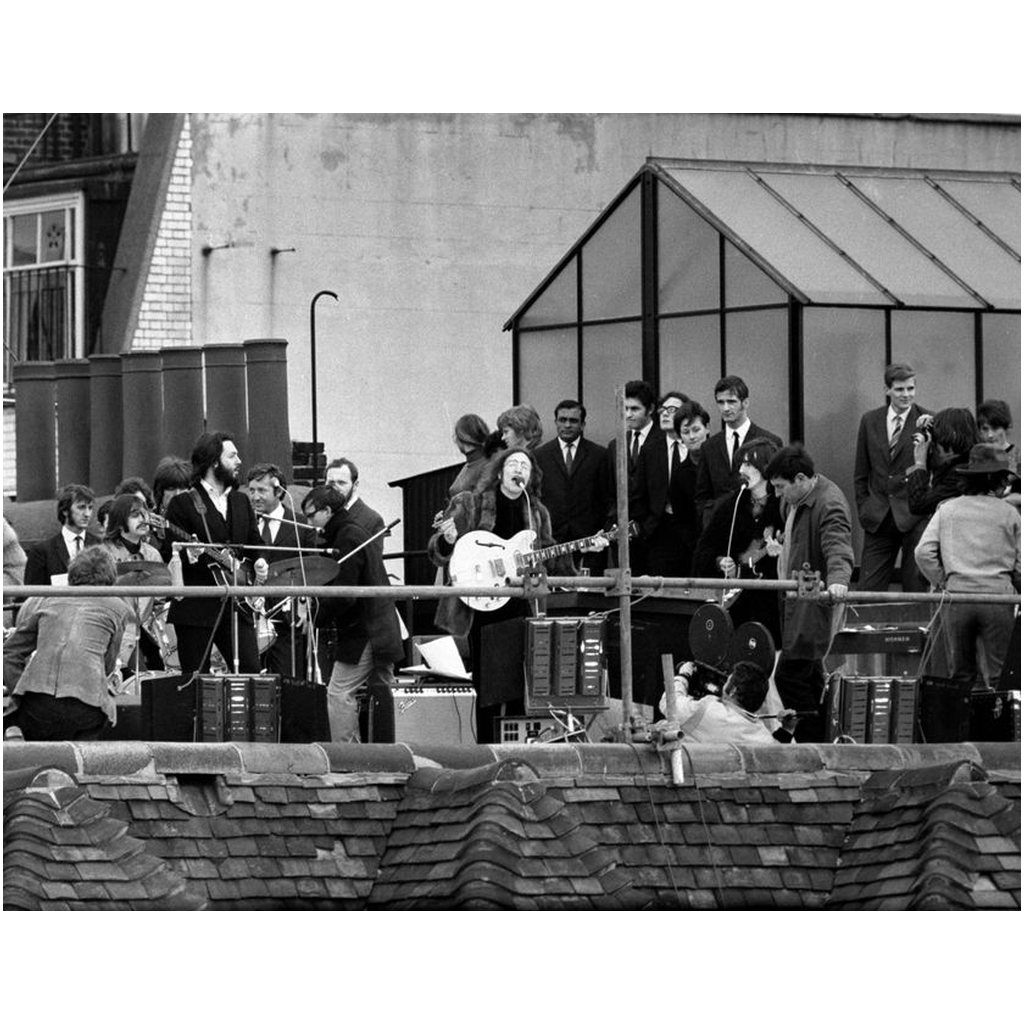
x=547, y=371
x=946, y=233
x=611, y=264
x=52, y=236
x=557, y=303
x=24, y=240
x=940, y=348
x=687, y=257
x=756, y=349
x=844, y=358
x=869, y=240
x=1001, y=363
x=746, y=284
x=753, y=214
x=611, y=356
x=690, y=359
x=996, y=204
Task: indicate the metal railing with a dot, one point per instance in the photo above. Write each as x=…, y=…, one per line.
x=39, y=315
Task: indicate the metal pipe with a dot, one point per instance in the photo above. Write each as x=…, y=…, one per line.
x=622, y=519
x=312, y=353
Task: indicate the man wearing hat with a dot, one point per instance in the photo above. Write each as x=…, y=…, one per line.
x=972, y=545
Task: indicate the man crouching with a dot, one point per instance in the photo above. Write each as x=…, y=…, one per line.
x=730, y=718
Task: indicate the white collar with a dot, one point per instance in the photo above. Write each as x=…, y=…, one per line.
x=69, y=537
x=278, y=513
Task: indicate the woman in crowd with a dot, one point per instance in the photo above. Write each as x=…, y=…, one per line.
x=471, y=433
x=942, y=444
x=504, y=502
x=735, y=541
x=994, y=420
x=59, y=660
x=972, y=545
x=520, y=427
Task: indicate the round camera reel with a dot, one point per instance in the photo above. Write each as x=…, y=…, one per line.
x=711, y=632
x=752, y=642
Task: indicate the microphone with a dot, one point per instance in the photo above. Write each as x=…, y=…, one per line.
x=519, y=480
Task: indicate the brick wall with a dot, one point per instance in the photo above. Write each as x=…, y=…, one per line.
x=10, y=465
x=165, y=317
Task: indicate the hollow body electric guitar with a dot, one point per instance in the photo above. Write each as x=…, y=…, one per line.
x=483, y=559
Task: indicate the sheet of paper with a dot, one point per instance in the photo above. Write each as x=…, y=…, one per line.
x=442, y=656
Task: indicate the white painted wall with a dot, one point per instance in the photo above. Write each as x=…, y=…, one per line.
x=432, y=229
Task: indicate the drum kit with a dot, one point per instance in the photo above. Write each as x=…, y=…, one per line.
x=151, y=613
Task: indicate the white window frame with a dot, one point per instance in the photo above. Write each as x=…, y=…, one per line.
x=73, y=203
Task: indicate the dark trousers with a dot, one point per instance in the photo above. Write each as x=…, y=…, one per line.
x=801, y=685
x=41, y=716
x=193, y=640
x=670, y=547
x=879, y=556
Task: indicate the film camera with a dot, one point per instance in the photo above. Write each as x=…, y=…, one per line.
x=716, y=645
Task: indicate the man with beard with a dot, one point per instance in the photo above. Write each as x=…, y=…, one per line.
x=343, y=476
x=215, y=512
x=720, y=460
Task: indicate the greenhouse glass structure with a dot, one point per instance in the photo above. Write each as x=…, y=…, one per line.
x=803, y=280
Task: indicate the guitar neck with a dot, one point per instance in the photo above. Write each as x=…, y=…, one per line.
x=565, y=548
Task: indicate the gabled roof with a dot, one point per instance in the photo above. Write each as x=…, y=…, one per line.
x=864, y=235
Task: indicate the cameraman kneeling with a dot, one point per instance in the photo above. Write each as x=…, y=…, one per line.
x=730, y=718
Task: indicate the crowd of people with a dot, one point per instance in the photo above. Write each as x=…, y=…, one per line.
x=936, y=493
x=739, y=503
x=198, y=525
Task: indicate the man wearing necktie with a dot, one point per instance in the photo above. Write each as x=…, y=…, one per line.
x=885, y=451
x=641, y=432
x=282, y=529
x=574, y=481
x=50, y=558
x=662, y=496
x=720, y=464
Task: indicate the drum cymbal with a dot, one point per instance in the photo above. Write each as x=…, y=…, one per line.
x=139, y=573
x=314, y=571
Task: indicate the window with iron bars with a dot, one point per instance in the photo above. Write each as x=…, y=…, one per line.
x=43, y=281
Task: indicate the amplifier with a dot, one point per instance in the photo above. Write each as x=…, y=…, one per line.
x=880, y=639
x=565, y=664
x=436, y=713
x=864, y=709
x=995, y=717
x=241, y=708
x=945, y=710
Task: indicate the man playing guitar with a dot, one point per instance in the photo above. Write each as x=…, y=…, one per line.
x=215, y=512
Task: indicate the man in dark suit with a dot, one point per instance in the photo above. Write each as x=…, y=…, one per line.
x=574, y=481
x=215, y=512
x=885, y=451
x=51, y=557
x=366, y=638
x=662, y=493
x=343, y=476
x=720, y=462
x=283, y=531
x=641, y=430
